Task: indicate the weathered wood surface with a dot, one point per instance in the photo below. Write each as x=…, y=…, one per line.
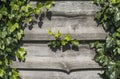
x=40, y=56
x=81, y=33
x=72, y=8
x=75, y=18
x=60, y=75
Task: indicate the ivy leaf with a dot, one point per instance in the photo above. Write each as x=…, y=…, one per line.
x=98, y=15
x=117, y=17
x=52, y=44
x=15, y=76
x=8, y=41
x=3, y=34
x=3, y=11
x=117, y=34
x=2, y=72
x=118, y=30
x=118, y=51
x=0, y=62
x=11, y=16
x=75, y=42
x=49, y=4
x=67, y=37
x=63, y=42
x=14, y=6
x=12, y=27
x=50, y=32
x=39, y=5
x=2, y=46
x=58, y=35
x=118, y=43
x=25, y=8
x=20, y=54
x=110, y=42
x=0, y=16
x=19, y=34
x=38, y=8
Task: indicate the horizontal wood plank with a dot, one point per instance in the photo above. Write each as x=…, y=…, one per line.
x=81, y=33
x=40, y=56
x=73, y=17
x=60, y=75
x=72, y=8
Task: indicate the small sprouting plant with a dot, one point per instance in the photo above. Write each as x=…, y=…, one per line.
x=61, y=41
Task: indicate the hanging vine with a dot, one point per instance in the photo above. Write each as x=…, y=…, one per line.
x=13, y=14
x=108, y=52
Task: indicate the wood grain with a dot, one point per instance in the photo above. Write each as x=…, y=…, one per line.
x=60, y=75
x=73, y=17
x=72, y=8
x=40, y=56
x=82, y=33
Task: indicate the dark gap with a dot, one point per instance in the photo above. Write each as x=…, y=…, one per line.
x=61, y=70
x=47, y=41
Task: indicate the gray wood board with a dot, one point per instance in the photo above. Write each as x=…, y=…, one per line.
x=82, y=33
x=72, y=8
x=73, y=17
x=93, y=74
x=40, y=56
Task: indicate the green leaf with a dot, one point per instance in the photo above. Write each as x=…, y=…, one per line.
x=117, y=34
x=8, y=41
x=39, y=5
x=98, y=15
x=58, y=35
x=110, y=42
x=75, y=42
x=3, y=11
x=20, y=54
x=25, y=8
x=12, y=27
x=117, y=17
x=38, y=8
x=14, y=6
x=2, y=73
x=63, y=42
x=118, y=43
x=67, y=37
x=3, y=34
x=49, y=4
x=118, y=51
x=0, y=16
x=50, y=32
x=0, y=62
x=19, y=34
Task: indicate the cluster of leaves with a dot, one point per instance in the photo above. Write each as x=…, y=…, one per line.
x=108, y=52
x=58, y=42
x=13, y=14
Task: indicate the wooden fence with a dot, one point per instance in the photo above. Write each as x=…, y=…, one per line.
x=75, y=18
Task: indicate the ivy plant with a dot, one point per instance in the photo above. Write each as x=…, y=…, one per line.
x=108, y=52
x=13, y=14
x=59, y=41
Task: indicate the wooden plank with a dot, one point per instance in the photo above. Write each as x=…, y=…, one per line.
x=81, y=33
x=41, y=57
x=42, y=50
x=73, y=17
x=72, y=8
x=60, y=75
x=66, y=64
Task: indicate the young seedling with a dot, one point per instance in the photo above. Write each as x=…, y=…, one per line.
x=60, y=42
